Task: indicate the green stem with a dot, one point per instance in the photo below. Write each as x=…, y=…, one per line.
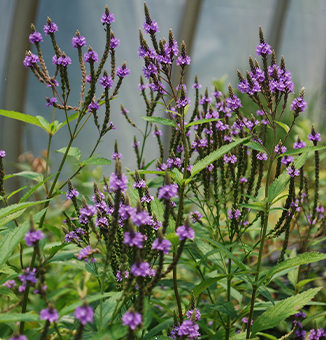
x=228, y=296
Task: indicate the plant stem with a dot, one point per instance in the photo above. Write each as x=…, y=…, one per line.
x=228, y=297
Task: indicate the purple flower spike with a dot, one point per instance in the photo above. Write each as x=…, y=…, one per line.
x=18, y=337
x=299, y=105
x=183, y=60
x=107, y=18
x=185, y=232
x=162, y=245
x=85, y=253
x=114, y=43
x=33, y=236
x=84, y=314
x=263, y=49
x=49, y=314
x=30, y=60
x=2, y=153
x=190, y=312
x=91, y=56
x=314, y=136
x=151, y=27
x=116, y=183
x=293, y=172
x=35, y=37
x=168, y=191
x=140, y=269
x=131, y=319
x=78, y=41
x=93, y=106
x=134, y=239
x=262, y=156
x=50, y=27
x=62, y=60
x=123, y=71
x=50, y=101
x=9, y=284
x=71, y=194
x=189, y=328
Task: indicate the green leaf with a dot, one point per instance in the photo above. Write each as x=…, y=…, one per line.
x=303, y=150
x=34, y=188
x=97, y=161
x=281, y=182
x=186, y=109
x=283, y=309
x=44, y=123
x=283, y=126
x=9, y=242
x=35, y=176
x=16, y=191
x=302, y=283
x=5, y=291
x=201, y=121
x=73, y=152
x=17, y=207
x=70, y=118
x=108, y=309
x=254, y=206
x=255, y=146
x=224, y=307
x=213, y=156
x=178, y=176
x=147, y=316
x=15, y=317
x=297, y=261
x=159, y=120
x=113, y=332
x=159, y=328
x=161, y=304
x=11, y=217
x=21, y=117
x=206, y=283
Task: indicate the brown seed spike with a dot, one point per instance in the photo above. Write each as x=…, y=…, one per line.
x=261, y=36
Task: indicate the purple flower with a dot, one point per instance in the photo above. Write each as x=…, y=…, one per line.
x=314, y=136
x=90, y=56
x=30, y=60
x=196, y=86
x=116, y=155
x=119, y=276
x=245, y=320
x=116, y=183
x=93, y=106
x=18, y=337
x=280, y=149
x=33, y=236
x=134, y=239
x=50, y=27
x=114, y=43
x=233, y=102
x=50, y=101
x=263, y=49
x=131, y=319
x=286, y=160
x=147, y=198
x=162, y=245
x=84, y=314
x=88, y=78
x=299, y=144
x=63, y=60
x=190, y=312
x=106, y=82
x=139, y=184
x=299, y=105
x=195, y=216
x=243, y=180
x=183, y=60
x=157, y=133
x=2, y=153
x=185, y=232
x=140, y=269
x=9, y=284
x=78, y=41
x=123, y=71
x=35, y=37
x=150, y=26
x=49, y=314
x=234, y=213
x=262, y=156
x=182, y=102
x=107, y=18
x=141, y=218
x=86, y=213
x=189, y=328
x=168, y=191
x=72, y=193
x=85, y=253
x=28, y=277
x=230, y=159
x=292, y=171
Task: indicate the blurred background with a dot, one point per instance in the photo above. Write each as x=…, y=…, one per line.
x=220, y=35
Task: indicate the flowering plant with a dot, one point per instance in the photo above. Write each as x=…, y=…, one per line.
x=189, y=262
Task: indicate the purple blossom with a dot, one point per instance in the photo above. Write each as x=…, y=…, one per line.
x=63, y=60
x=72, y=193
x=123, y=71
x=133, y=239
x=93, y=106
x=190, y=312
x=183, y=60
x=131, y=319
x=73, y=235
x=260, y=113
x=286, y=160
x=245, y=320
x=35, y=37
x=116, y=155
x=140, y=269
x=292, y=171
x=78, y=41
x=243, y=180
x=168, y=191
x=157, y=133
x=102, y=221
x=314, y=136
x=299, y=144
x=150, y=26
x=196, y=86
x=230, y=159
x=234, y=213
x=262, y=156
x=141, y=218
x=50, y=101
x=190, y=329
x=263, y=49
x=106, y=82
x=33, y=236
x=185, y=232
x=88, y=78
x=147, y=198
x=85, y=253
x=90, y=56
x=53, y=83
x=195, y=216
x=114, y=43
x=298, y=105
x=217, y=94
x=280, y=149
x=30, y=60
x=233, y=102
x=162, y=245
x=9, y=284
x=119, y=276
x=171, y=48
x=50, y=27
x=139, y=184
x=107, y=18
x=182, y=102
x=84, y=314
x=18, y=337
x=28, y=277
x=49, y=314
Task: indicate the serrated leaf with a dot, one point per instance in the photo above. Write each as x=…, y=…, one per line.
x=283, y=126
x=9, y=242
x=97, y=161
x=35, y=176
x=255, y=146
x=159, y=328
x=213, y=156
x=108, y=309
x=13, y=208
x=73, y=152
x=297, y=261
x=11, y=217
x=16, y=191
x=15, y=317
x=44, y=123
x=224, y=307
x=206, y=283
x=21, y=117
x=202, y=121
x=283, y=309
x=302, y=283
x=160, y=120
x=178, y=176
x=281, y=182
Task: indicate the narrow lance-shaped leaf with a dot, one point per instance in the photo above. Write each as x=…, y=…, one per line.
x=159, y=120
